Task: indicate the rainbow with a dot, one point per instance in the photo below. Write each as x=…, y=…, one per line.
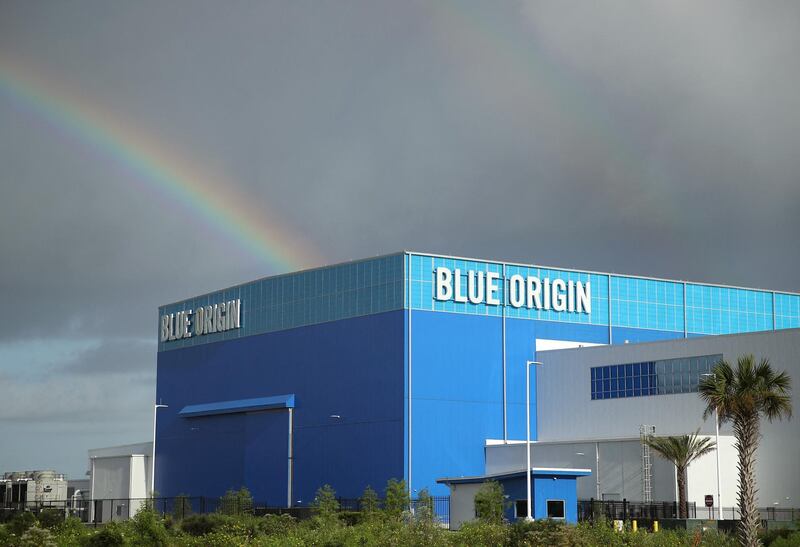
x=210, y=200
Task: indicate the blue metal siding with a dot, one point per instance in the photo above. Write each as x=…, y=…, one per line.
x=520, y=347
x=351, y=368
x=199, y=456
x=265, y=462
x=556, y=488
x=544, y=487
x=456, y=394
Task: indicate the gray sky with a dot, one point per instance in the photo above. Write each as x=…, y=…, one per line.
x=655, y=138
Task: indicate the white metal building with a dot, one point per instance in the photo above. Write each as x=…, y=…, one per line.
x=120, y=480
x=579, y=427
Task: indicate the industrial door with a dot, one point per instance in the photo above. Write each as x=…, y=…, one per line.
x=266, y=456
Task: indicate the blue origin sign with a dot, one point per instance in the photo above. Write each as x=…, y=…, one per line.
x=523, y=291
x=204, y=320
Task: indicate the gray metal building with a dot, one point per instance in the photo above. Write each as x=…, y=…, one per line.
x=580, y=427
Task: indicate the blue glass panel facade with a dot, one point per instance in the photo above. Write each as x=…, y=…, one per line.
x=661, y=377
x=725, y=310
x=646, y=304
x=305, y=298
x=787, y=311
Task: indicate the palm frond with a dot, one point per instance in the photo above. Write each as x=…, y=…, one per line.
x=681, y=450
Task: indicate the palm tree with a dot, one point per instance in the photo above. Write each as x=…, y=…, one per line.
x=741, y=396
x=681, y=451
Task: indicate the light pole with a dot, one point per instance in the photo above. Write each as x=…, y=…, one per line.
x=716, y=426
x=528, y=431
x=153, y=462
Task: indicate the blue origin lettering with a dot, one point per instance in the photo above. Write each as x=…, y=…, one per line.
x=523, y=292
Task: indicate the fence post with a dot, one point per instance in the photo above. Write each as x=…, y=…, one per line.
x=624, y=509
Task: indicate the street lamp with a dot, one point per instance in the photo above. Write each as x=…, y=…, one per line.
x=716, y=425
x=153, y=462
x=528, y=430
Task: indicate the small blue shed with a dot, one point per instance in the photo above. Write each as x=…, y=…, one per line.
x=554, y=494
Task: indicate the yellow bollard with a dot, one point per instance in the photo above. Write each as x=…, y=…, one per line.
x=655, y=526
x=634, y=525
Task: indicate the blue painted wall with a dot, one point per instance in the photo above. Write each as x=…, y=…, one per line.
x=457, y=394
x=457, y=387
x=520, y=348
x=352, y=368
x=544, y=487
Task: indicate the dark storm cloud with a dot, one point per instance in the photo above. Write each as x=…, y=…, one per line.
x=127, y=356
x=69, y=382
x=653, y=138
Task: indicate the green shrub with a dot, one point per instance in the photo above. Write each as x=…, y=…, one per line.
x=20, y=522
x=369, y=501
x=397, y=500
x=5, y=536
x=147, y=528
x=50, y=518
x=351, y=518
x=37, y=537
x=599, y=533
x=539, y=532
x=70, y=532
x=275, y=525
x=109, y=535
x=789, y=540
x=713, y=538
x=481, y=533
x=490, y=502
x=200, y=525
x=325, y=506
x=769, y=536
x=423, y=512
x=236, y=502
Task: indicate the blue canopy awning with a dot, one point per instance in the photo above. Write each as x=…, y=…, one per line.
x=239, y=405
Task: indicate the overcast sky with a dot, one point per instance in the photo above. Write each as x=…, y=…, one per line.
x=655, y=138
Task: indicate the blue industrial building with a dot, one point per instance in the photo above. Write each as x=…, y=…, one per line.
x=400, y=366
